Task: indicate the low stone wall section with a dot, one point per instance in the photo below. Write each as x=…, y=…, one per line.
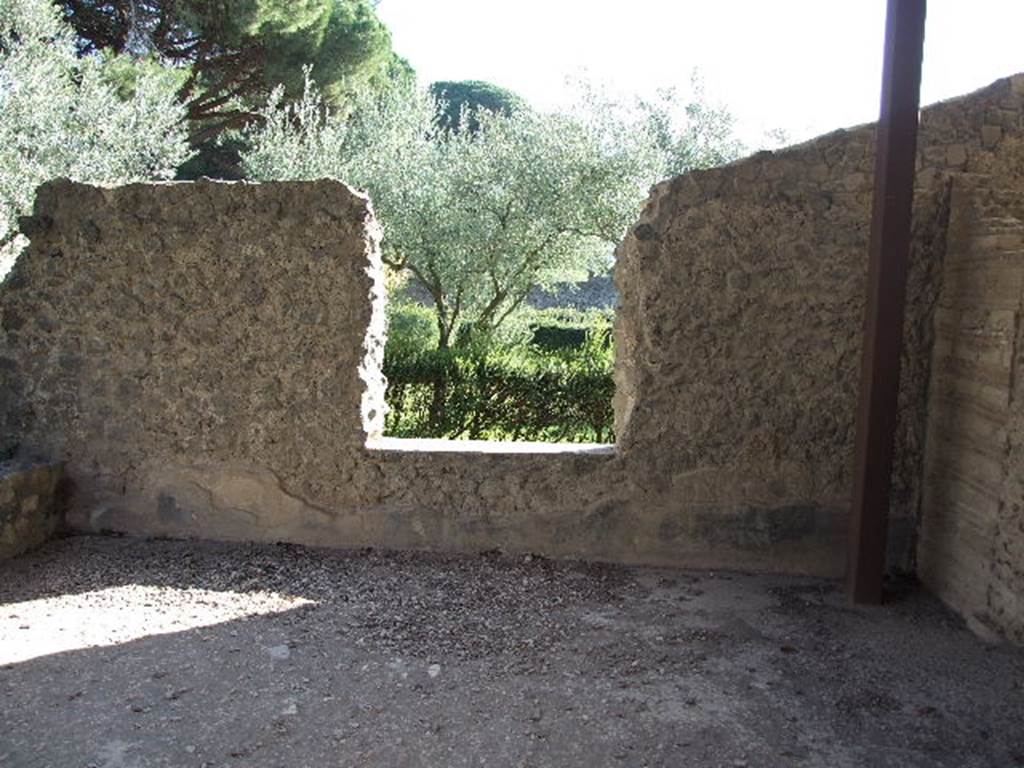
x=30, y=509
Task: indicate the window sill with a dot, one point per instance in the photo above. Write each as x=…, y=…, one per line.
x=509, y=448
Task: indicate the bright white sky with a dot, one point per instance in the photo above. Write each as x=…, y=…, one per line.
x=808, y=66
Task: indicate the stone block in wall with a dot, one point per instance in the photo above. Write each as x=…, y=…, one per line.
x=30, y=511
x=158, y=325
x=971, y=545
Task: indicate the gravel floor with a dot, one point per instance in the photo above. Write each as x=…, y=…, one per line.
x=121, y=653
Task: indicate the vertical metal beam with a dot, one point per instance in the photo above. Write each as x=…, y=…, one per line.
x=896, y=151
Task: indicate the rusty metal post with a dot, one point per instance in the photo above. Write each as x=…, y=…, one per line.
x=896, y=151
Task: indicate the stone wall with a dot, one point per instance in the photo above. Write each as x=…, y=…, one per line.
x=150, y=330
x=971, y=550
x=198, y=356
x=205, y=358
x=30, y=510
x=745, y=285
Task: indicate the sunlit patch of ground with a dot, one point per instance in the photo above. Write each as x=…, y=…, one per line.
x=123, y=613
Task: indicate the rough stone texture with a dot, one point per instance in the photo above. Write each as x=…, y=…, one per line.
x=116, y=652
x=971, y=550
x=30, y=512
x=205, y=358
x=743, y=297
x=198, y=356
x=151, y=332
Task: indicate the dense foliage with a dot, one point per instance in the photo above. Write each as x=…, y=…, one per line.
x=504, y=390
x=703, y=139
x=460, y=100
x=479, y=213
x=237, y=51
x=102, y=119
x=478, y=219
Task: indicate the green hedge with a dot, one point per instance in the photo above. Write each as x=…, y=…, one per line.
x=505, y=387
x=498, y=390
x=555, y=337
x=496, y=396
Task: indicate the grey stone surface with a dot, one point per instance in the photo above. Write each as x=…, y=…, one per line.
x=30, y=510
x=596, y=292
x=224, y=655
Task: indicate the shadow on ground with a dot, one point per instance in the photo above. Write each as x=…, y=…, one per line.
x=195, y=654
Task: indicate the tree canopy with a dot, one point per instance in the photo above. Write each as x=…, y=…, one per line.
x=456, y=97
x=237, y=51
x=101, y=119
x=703, y=140
x=478, y=218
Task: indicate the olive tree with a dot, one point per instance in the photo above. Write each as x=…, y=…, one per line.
x=477, y=217
x=65, y=116
x=694, y=132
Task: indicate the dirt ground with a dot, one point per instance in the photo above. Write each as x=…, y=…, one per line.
x=118, y=653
